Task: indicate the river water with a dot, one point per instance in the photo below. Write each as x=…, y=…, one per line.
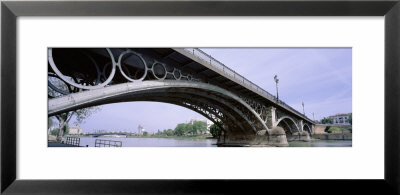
x=196, y=142
x=322, y=143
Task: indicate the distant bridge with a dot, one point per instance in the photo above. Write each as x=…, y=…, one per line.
x=108, y=133
x=247, y=114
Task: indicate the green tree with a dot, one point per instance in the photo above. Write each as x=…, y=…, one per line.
x=351, y=122
x=162, y=132
x=214, y=130
x=66, y=128
x=54, y=131
x=169, y=132
x=50, y=123
x=80, y=115
x=327, y=129
x=199, y=126
x=64, y=118
x=180, y=129
x=327, y=120
x=351, y=119
x=145, y=133
x=189, y=129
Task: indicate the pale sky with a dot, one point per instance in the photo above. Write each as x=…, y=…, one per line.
x=321, y=77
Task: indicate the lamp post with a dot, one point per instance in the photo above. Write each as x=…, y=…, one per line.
x=276, y=81
x=302, y=103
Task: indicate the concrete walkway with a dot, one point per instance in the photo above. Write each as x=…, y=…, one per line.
x=56, y=144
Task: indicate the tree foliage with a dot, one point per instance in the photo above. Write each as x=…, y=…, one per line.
x=215, y=130
x=190, y=129
x=351, y=119
x=180, y=129
x=64, y=118
x=169, y=132
x=327, y=120
x=199, y=127
x=183, y=129
x=327, y=129
x=54, y=132
x=50, y=122
x=84, y=113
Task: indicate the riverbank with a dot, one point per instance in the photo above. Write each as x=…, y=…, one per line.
x=321, y=143
x=194, y=142
x=151, y=141
x=57, y=144
x=323, y=136
x=333, y=136
x=175, y=137
x=53, y=138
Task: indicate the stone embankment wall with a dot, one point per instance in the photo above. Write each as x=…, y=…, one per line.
x=319, y=133
x=319, y=129
x=333, y=136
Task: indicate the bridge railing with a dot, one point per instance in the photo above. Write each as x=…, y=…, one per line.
x=75, y=141
x=239, y=78
x=107, y=143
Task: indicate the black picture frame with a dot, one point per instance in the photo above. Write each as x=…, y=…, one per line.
x=10, y=10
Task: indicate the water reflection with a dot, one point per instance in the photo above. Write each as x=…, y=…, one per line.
x=196, y=142
x=155, y=142
x=322, y=143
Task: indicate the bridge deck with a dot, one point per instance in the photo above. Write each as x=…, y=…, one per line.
x=217, y=73
x=202, y=66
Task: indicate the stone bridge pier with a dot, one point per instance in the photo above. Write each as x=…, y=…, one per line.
x=278, y=134
x=275, y=137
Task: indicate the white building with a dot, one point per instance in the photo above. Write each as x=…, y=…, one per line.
x=141, y=130
x=341, y=119
x=74, y=130
x=197, y=119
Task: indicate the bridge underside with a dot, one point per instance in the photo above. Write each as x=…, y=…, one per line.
x=240, y=126
x=293, y=131
x=80, y=78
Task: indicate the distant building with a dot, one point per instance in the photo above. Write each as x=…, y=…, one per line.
x=140, y=130
x=74, y=130
x=149, y=133
x=197, y=119
x=341, y=119
x=100, y=131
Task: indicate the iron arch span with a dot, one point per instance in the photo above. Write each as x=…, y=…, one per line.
x=290, y=123
x=211, y=101
x=307, y=128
